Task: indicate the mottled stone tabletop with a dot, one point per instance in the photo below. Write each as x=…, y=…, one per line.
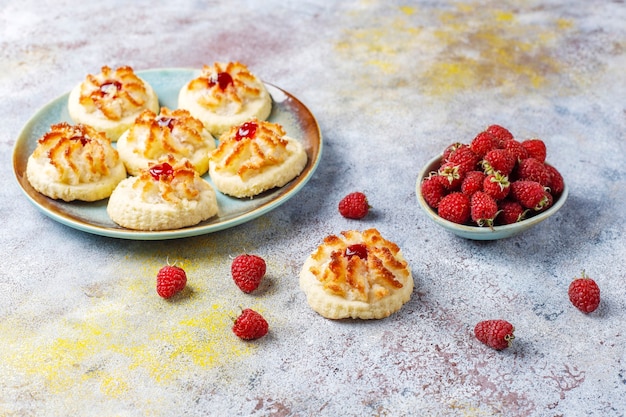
x=391, y=83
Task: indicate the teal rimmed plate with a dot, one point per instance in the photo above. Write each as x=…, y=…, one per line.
x=287, y=110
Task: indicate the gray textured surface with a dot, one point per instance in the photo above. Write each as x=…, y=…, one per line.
x=83, y=332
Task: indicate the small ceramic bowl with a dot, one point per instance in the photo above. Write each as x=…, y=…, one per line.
x=482, y=233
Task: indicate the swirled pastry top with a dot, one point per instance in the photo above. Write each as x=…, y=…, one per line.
x=74, y=162
x=356, y=275
x=110, y=101
x=168, y=195
x=224, y=95
x=255, y=156
x=153, y=136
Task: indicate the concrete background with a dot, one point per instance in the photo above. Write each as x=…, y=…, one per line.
x=391, y=83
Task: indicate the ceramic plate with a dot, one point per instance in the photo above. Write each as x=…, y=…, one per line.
x=287, y=110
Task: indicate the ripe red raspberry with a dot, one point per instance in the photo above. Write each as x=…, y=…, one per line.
x=453, y=173
x=500, y=133
x=483, y=209
x=483, y=143
x=464, y=157
x=530, y=194
x=584, y=293
x=354, y=206
x=499, y=160
x=473, y=182
x=247, y=272
x=549, y=200
x=433, y=190
x=455, y=207
x=250, y=325
x=516, y=149
x=450, y=149
x=170, y=280
x=533, y=170
x=536, y=148
x=510, y=212
x=556, y=183
x=497, y=334
x=497, y=186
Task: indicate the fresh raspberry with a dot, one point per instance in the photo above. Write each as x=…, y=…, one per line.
x=530, y=194
x=532, y=170
x=584, y=293
x=483, y=209
x=354, y=206
x=453, y=173
x=483, y=143
x=556, y=183
x=247, y=272
x=170, y=280
x=497, y=334
x=549, y=200
x=500, y=133
x=433, y=190
x=499, y=160
x=536, y=148
x=450, y=149
x=464, y=157
x=455, y=207
x=250, y=325
x=510, y=212
x=497, y=186
x=516, y=149
x=473, y=182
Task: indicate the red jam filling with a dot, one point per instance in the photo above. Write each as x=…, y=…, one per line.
x=165, y=121
x=223, y=79
x=110, y=87
x=357, y=249
x=161, y=169
x=246, y=130
x=83, y=140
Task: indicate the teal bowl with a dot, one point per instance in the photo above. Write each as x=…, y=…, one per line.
x=482, y=233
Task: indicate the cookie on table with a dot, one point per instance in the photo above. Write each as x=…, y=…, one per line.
x=254, y=157
x=358, y=275
x=74, y=162
x=153, y=136
x=225, y=95
x=111, y=100
x=168, y=195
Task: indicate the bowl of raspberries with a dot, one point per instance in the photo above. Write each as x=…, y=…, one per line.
x=491, y=188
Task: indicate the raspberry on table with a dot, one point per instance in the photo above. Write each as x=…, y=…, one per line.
x=354, y=206
x=584, y=293
x=250, y=325
x=171, y=280
x=248, y=271
x=497, y=334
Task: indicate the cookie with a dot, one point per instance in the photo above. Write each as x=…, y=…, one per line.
x=358, y=275
x=111, y=100
x=74, y=162
x=254, y=157
x=153, y=136
x=225, y=95
x=169, y=195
